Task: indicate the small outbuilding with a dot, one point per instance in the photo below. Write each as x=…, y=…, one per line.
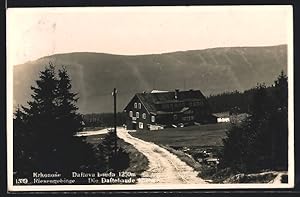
x=222, y=117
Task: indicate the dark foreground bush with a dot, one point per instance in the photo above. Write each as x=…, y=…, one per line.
x=261, y=140
x=251, y=178
x=110, y=157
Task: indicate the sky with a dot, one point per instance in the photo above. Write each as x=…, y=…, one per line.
x=33, y=33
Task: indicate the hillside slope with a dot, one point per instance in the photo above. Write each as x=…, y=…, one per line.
x=216, y=70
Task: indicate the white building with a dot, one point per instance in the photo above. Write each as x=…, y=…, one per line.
x=222, y=117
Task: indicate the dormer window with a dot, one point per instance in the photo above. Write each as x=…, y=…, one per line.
x=135, y=105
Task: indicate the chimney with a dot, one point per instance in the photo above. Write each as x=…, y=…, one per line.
x=176, y=93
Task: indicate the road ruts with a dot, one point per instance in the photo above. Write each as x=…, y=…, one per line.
x=164, y=167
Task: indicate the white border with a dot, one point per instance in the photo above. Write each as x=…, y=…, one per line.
x=291, y=168
x=9, y=110
x=291, y=131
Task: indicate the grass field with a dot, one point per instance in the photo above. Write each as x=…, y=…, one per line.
x=95, y=139
x=204, y=135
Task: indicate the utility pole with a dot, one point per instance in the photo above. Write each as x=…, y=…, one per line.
x=115, y=118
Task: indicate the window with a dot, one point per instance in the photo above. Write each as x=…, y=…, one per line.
x=135, y=105
x=137, y=114
x=175, y=117
x=141, y=125
x=152, y=118
x=140, y=106
x=130, y=114
x=144, y=116
x=188, y=118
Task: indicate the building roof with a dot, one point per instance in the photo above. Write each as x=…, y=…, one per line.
x=158, y=91
x=149, y=100
x=222, y=114
x=173, y=112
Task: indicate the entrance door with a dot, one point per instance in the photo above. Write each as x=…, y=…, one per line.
x=134, y=126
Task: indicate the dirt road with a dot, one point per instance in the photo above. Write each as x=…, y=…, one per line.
x=164, y=167
x=89, y=133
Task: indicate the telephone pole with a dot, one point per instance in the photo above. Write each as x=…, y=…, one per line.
x=115, y=119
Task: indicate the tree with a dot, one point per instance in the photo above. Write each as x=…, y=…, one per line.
x=51, y=120
x=281, y=91
x=21, y=152
x=279, y=122
x=66, y=106
x=114, y=161
x=239, y=151
x=69, y=122
x=260, y=142
x=41, y=119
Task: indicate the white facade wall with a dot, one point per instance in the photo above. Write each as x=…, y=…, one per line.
x=225, y=119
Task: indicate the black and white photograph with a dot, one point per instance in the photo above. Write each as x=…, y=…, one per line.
x=150, y=98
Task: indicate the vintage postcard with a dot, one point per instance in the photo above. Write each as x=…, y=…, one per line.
x=150, y=98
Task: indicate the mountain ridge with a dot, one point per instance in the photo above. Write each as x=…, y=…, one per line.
x=212, y=70
x=99, y=53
